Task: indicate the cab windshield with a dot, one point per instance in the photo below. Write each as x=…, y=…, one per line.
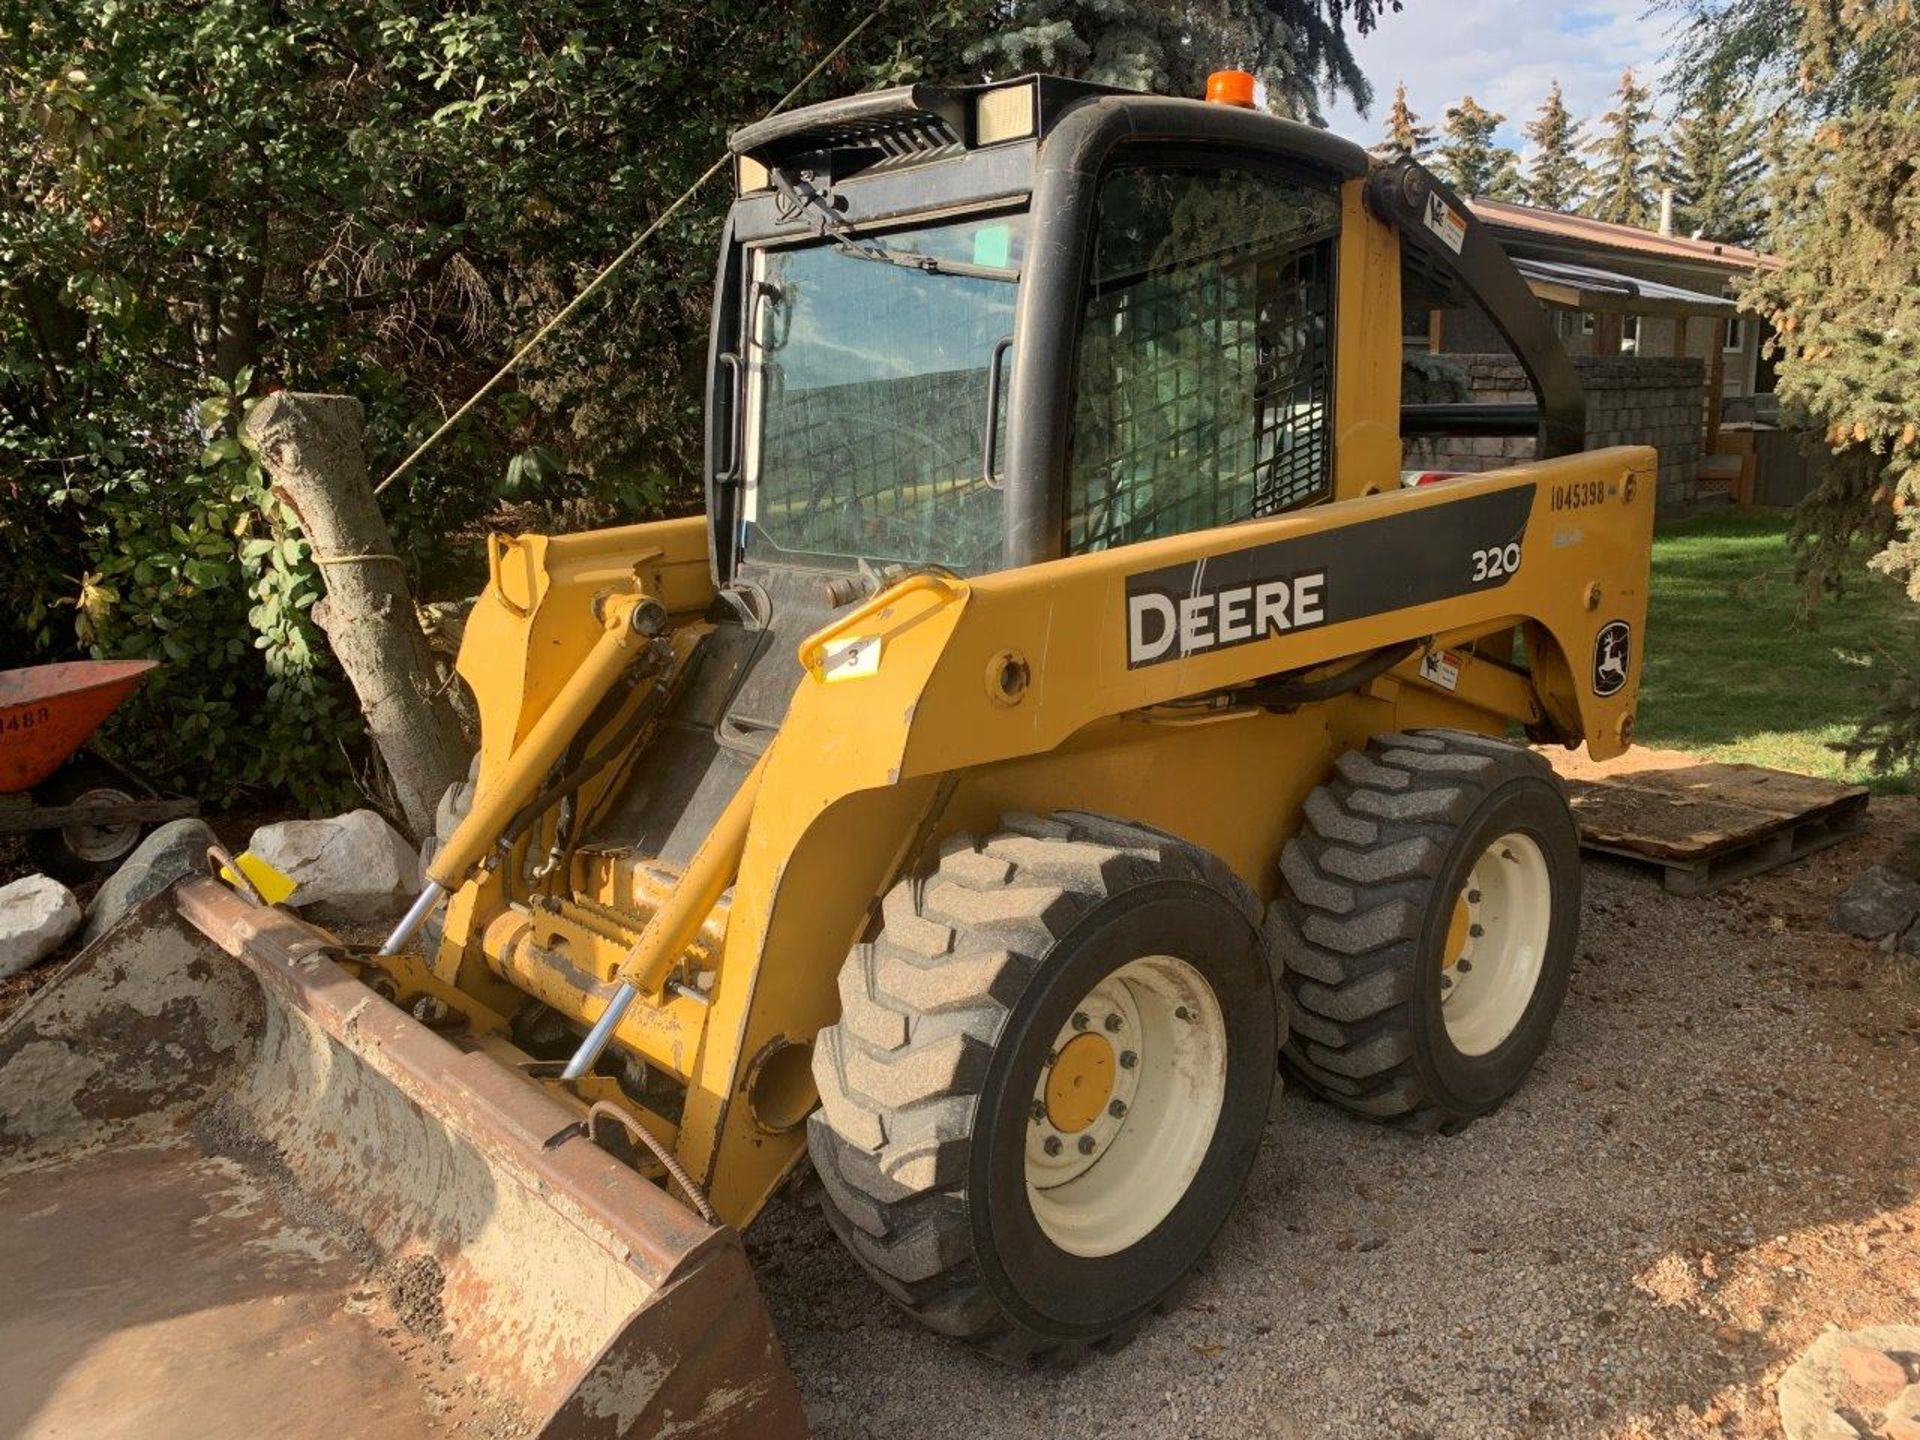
x=867, y=396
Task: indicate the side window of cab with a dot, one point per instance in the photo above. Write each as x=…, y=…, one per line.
x=1203, y=378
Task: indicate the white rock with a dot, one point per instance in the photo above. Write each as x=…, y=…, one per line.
x=37, y=915
x=163, y=857
x=354, y=866
x=1857, y=1372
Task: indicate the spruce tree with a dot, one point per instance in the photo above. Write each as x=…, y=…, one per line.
x=1299, y=48
x=1507, y=182
x=1405, y=135
x=1625, y=159
x=1715, y=165
x=1557, y=176
x=1845, y=302
x=1469, y=160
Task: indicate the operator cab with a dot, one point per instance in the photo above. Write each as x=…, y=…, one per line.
x=939, y=340
x=982, y=327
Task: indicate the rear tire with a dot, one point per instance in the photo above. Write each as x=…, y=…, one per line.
x=1427, y=922
x=79, y=854
x=1011, y=1000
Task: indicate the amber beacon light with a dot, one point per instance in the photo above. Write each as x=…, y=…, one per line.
x=1230, y=87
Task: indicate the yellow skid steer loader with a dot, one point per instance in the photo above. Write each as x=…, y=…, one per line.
x=1062, y=719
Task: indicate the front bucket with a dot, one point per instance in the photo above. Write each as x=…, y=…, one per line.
x=241, y=1194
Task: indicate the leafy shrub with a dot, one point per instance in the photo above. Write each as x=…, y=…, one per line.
x=203, y=571
x=383, y=198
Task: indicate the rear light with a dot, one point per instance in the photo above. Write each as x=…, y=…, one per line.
x=1412, y=479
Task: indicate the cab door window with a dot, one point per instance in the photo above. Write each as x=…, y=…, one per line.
x=1203, y=379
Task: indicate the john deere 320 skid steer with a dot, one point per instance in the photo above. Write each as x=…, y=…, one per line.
x=1062, y=720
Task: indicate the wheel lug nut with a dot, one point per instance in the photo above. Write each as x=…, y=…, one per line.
x=1052, y=1146
x=1464, y=966
x=1086, y=1144
x=1039, y=1112
x=1446, y=982
x=1182, y=1013
x=1128, y=1059
x=1117, y=1108
x=1113, y=1023
x=1476, y=931
x=1080, y=1021
x=1473, y=897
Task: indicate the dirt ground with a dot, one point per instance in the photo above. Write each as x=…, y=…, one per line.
x=1718, y=1158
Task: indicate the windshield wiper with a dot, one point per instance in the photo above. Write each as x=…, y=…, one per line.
x=850, y=242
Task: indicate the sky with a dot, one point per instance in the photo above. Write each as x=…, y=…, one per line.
x=1505, y=53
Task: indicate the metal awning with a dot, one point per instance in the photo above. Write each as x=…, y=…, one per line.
x=1583, y=287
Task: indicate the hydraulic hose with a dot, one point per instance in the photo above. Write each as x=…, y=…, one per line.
x=1291, y=690
x=586, y=769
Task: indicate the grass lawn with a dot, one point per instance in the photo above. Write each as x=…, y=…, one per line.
x=1731, y=676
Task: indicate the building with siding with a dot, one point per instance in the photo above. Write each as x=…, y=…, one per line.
x=1653, y=324
x=1727, y=343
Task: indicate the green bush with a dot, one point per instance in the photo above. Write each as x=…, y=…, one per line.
x=202, y=570
x=383, y=198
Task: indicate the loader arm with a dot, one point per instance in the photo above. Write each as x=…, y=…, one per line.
x=990, y=675
x=1300, y=591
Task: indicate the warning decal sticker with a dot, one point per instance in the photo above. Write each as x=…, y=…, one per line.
x=1446, y=222
x=1442, y=668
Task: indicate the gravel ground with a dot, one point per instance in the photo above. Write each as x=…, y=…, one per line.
x=1716, y=1160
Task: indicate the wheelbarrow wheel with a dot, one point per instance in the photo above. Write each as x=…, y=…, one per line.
x=79, y=853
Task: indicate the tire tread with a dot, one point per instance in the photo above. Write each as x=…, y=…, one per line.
x=1356, y=884
x=953, y=955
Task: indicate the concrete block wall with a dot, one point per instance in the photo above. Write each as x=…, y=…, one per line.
x=1631, y=400
x=1649, y=400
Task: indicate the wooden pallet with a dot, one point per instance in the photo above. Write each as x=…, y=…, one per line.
x=1704, y=825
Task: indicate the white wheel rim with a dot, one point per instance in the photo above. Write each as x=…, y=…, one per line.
x=1100, y=1186
x=1496, y=944
x=97, y=844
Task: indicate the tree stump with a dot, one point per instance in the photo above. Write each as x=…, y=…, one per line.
x=311, y=447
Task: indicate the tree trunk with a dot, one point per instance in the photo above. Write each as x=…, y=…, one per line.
x=236, y=329
x=236, y=343
x=311, y=446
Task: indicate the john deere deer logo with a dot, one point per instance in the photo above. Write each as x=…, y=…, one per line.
x=1612, y=650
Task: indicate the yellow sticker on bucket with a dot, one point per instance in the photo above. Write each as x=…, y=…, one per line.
x=272, y=885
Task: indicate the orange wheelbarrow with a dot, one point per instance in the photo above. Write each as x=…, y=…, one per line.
x=82, y=813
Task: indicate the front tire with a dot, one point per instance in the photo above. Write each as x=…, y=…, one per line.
x=1429, y=914
x=1050, y=1076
